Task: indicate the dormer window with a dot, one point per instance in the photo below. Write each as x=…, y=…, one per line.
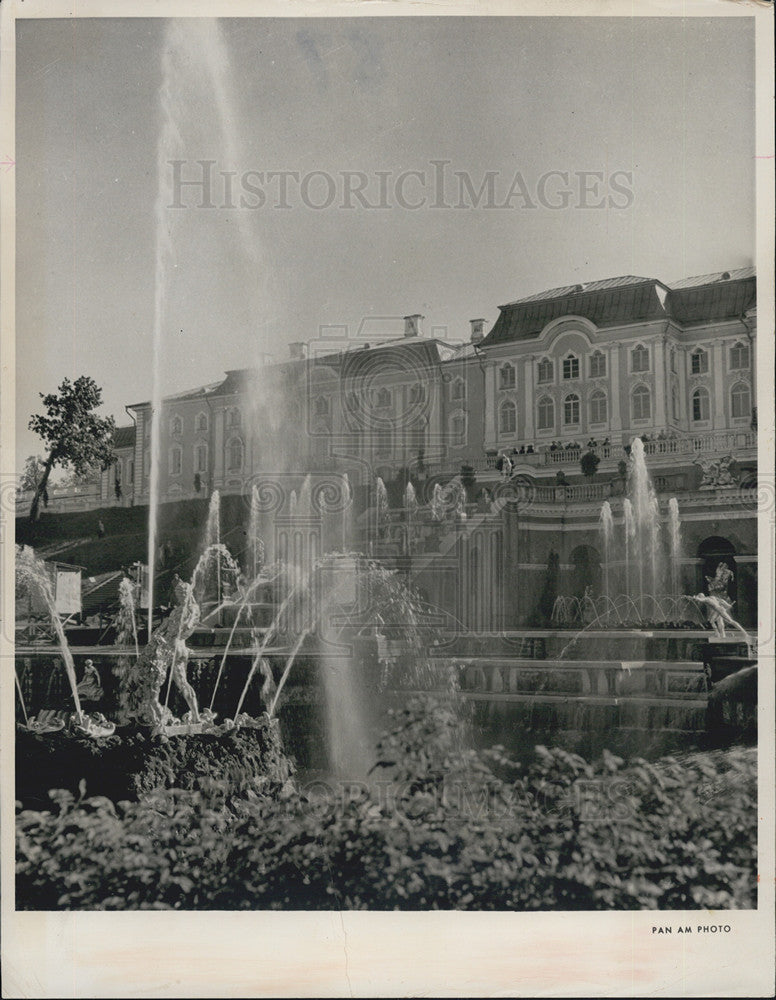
x=507, y=377
x=545, y=371
x=699, y=362
x=640, y=359
x=571, y=366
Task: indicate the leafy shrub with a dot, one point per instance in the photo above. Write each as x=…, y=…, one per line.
x=441, y=826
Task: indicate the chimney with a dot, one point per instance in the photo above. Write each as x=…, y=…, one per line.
x=478, y=330
x=296, y=350
x=412, y=325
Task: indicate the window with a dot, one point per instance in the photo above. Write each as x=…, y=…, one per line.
x=545, y=370
x=675, y=402
x=176, y=425
x=175, y=460
x=459, y=389
x=739, y=357
x=131, y=468
x=200, y=458
x=597, y=364
x=571, y=409
x=233, y=418
x=699, y=362
x=384, y=442
x=202, y=422
x=507, y=418
x=672, y=357
x=507, y=377
x=598, y=407
x=571, y=367
x=642, y=403
x=740, y=400
x=700, y=404
x=235, y=455
x=418, y=393
x=640, y=359
x=384, y=397
x=321, y=407
x=546, y=414
x=458, y=428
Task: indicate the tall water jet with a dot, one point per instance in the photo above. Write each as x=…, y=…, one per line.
x=347, y=514
x=629, y=533
x=304, y=501
x=255, y=556
x=675, y=538
x=607, y=536
x=292, y=504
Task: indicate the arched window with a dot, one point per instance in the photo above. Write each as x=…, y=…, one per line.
x=545, y=370
x=675, y=402
x=640, y=358
x=507, y=377
x=200, y=457
x=570, y=366
x=597, y=364
x=672, y=359
x=598, y=407
x=233, y=418
x=700, y=404
x=739, y=357
x=507, y=418
x=740, y=400
x=384, y=397
x=459, y=389
x=641, y=403
x=546, y=414
x=131, y=468
x=571, y=409
x=176, y=425
x=321, y=407
x=699, y=362
x=202, y=423
x=234, y=455
x=175, y=460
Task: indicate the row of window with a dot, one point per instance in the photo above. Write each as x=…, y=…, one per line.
x=234, y=457
x=202, y=422
x=738, y=359
x=641, y=407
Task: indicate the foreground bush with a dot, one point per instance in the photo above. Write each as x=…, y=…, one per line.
x=441, y=827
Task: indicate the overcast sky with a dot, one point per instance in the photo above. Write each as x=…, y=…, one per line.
x=668, y=101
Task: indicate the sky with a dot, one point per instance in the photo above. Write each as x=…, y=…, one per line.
x=658, y=111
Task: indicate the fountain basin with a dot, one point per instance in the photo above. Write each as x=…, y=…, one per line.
x=133, y=762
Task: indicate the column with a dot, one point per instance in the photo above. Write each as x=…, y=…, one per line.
x=718, y=395
x=218, y=448
x=528, y=374
x=491, y=414
x=681, y=359
x=615, y=420
x=660, y=383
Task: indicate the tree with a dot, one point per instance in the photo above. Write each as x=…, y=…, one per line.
x=589, y=464
x=75, y=436
x=31, y=474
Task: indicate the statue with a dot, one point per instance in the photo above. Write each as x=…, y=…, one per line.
x=718, y=604
x=717, y=473
x=142, y=682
